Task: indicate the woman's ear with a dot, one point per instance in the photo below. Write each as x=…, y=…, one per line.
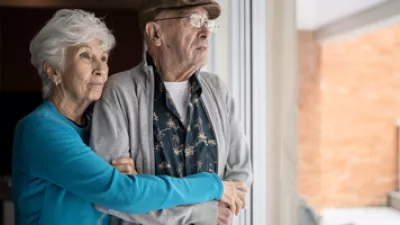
x=52, y=73
x=153, y=31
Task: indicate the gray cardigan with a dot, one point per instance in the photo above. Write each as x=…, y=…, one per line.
x=122, y=126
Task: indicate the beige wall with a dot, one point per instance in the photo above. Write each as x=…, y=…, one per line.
x=282, y=113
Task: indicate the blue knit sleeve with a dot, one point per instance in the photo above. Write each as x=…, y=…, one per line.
x=56, y=153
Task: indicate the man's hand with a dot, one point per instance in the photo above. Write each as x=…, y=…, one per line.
x=124, y=165
x=225, y=215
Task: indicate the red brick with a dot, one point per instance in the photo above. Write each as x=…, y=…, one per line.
x=349, y=100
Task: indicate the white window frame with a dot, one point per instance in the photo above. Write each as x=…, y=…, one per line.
x=263, y=79
x=248, y=26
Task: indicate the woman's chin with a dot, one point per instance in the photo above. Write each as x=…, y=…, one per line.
x=94, y=96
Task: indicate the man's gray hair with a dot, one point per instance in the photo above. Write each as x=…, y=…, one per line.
x=66, y=28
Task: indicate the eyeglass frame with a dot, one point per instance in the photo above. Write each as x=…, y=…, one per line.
x=211, y=28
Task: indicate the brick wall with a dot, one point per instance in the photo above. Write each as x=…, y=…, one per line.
x=347, y=139
x=309, y=102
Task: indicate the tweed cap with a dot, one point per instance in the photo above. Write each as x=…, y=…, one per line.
x=149, y=9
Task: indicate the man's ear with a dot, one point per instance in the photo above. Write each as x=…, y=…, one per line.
x=153, y=31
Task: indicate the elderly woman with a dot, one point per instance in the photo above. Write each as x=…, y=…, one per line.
x=57, y=178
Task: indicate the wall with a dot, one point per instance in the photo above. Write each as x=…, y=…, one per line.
x=352, y=161
x=17, y=74
x=19, y=81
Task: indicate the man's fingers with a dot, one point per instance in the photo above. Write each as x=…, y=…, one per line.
x=124, y=165
x=124, y=168
x=223, y=219
x=225, y=214
x=123, y=161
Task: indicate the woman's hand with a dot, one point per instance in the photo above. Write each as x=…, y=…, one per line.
x=234, y=195
x=124, y=165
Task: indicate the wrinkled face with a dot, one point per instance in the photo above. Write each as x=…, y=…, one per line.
x=85, y=71
x=181, y=39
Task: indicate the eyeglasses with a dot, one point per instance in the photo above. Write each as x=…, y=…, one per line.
x=196, y=21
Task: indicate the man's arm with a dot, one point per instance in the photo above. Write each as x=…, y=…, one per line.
x=238, y=166
x=110, y=139
x=199, y=214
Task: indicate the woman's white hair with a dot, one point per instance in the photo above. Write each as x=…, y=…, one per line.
x=66, y=28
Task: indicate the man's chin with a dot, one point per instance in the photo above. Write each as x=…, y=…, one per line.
x=201, y=60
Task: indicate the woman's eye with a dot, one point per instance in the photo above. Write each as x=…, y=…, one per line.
x=104, y=58
x=85, y=55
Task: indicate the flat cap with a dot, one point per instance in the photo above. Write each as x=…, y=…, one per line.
x=149, y=9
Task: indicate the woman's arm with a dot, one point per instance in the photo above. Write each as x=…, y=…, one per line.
x=56, y=153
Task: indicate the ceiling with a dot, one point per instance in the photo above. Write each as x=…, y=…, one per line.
x=313, y=14
x=107, y=4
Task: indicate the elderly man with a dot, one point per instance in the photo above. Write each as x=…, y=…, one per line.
x=169, y=117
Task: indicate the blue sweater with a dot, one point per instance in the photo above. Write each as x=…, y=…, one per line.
x=57, y=178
